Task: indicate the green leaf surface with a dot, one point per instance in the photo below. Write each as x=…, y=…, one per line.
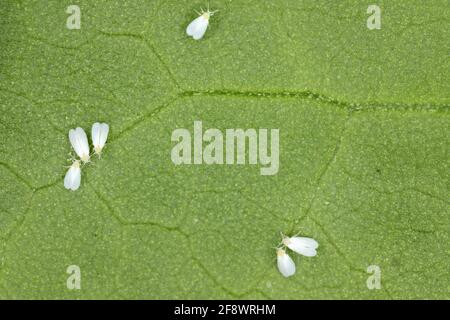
x=364, y=151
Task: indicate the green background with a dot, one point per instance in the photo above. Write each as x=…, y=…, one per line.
x=364, y=150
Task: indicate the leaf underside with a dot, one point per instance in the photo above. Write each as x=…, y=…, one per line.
x=364, y=153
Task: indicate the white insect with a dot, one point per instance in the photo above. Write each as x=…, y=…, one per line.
x=197, y=28
x=80, y=144
x=285, y=264
x=301, y=245
x=73, y=176
x=99, y=135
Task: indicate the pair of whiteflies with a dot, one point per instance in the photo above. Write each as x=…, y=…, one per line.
x=79, y=142
x=301, y=245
